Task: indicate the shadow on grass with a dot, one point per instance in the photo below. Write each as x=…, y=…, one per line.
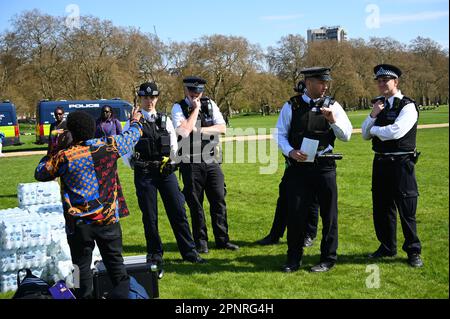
x=9, y=196
x=142, y=249
x=252, y=263
x=26, y=149
x=134, y=249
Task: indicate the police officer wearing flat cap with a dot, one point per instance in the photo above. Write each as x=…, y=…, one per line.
x=280, y=217
x=199, y=123
x=318, y=117
x=392, y=127
x=152, y=161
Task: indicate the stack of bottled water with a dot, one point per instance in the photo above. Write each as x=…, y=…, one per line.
x=38, y=193
x=33, y=236
x=23, y=240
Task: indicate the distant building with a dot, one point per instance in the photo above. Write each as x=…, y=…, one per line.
x=327, y=33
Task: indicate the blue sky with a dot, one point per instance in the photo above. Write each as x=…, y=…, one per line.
x=262, y=22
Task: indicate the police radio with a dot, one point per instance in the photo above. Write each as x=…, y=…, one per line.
x=325, y=101
x=378, y=98
x=206, y=106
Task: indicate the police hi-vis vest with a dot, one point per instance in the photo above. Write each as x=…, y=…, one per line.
x=205, y=116
x=407, y=143
x=309, y=122
x=155, y=141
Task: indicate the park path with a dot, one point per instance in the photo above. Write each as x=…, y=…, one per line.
x=242, y=138
x=355, y=131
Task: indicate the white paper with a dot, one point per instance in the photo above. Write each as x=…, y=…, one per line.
x=309, y=147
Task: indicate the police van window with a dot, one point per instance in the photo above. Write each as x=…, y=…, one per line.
x=94, y=112
x=6, y=118
x=126, y=113
x=116, y=112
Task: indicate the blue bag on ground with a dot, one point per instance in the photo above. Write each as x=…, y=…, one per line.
x=31, y=287
x=136, y=290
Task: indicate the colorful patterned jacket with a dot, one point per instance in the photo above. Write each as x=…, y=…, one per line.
x=90, y=187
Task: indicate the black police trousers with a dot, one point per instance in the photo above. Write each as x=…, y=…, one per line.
x=109, y=241
x=394, y=187
x=198, y=179
x=305, y=182
x=281, y=214
x=147, y=185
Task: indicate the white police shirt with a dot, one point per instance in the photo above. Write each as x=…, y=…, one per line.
x=342, y=128
x=150, y=116
x=403, y=123
x=178, y=116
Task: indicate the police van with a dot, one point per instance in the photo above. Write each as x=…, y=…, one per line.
x=9, y=124
x=45, y=112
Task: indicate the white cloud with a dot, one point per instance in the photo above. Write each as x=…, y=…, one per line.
x=421, y=16
x=282, y=17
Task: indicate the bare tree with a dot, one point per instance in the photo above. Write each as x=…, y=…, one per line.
x=288, y=58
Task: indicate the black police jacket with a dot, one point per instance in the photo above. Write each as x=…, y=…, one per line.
x=155, y=141
x=205, y=117
x=407, y=143
x=309, y=123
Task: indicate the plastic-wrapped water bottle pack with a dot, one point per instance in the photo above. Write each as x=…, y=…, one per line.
x=38, y=193
x=33, y=236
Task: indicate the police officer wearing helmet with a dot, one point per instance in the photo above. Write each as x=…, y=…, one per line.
x=153, y=170
x=280, y=217
x=392, y=127
x=199, y=123
x=313, y=116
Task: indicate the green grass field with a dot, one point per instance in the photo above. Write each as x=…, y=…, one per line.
x=438, y=115
x=254, y=271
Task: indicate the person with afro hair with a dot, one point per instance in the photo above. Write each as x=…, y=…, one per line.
x=92, y=197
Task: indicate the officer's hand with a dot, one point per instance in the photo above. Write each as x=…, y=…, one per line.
x=328, y=114
x=298, y=155
x=376, y=109
x=195, y=102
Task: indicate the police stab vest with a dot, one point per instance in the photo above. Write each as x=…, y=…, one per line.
x=310, y=123
x=205, y=117
x=155, y=141
x=407, y=143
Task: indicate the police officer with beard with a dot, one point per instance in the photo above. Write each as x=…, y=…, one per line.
x=320, y=118
x=153, y=170
x=199, y=123
x=392, y=127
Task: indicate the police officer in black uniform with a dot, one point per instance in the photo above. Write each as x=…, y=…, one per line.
x=320, y=118
x=199, y=123
x=153, y=165
x=392, y=126
x=280, y=217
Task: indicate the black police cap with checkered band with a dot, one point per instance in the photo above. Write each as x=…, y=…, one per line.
x=148, y=89
x=194, y=83
x=386, y=70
